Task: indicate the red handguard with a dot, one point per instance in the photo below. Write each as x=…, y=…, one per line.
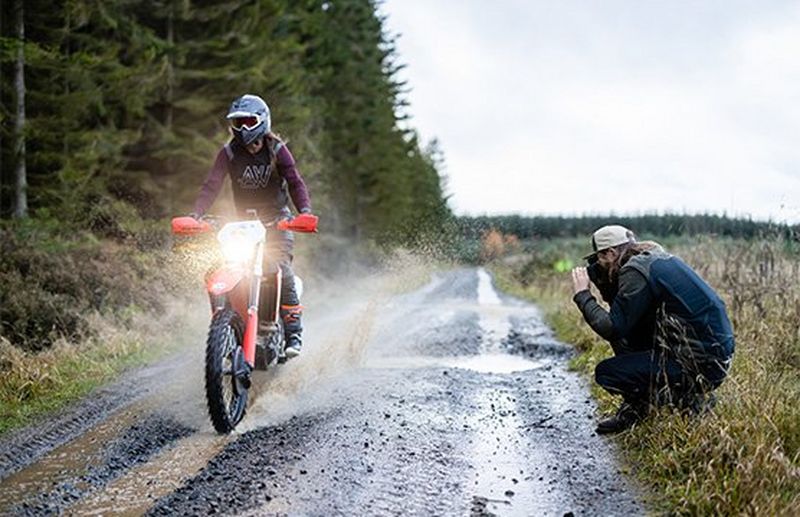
x=189, y=226
x=304, y=223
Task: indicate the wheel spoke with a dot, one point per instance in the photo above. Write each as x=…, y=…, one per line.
x=230, y=342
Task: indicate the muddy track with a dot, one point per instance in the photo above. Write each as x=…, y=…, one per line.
x=25, y=446
x=451, y=400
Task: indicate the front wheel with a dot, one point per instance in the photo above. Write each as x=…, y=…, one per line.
x=226, y=393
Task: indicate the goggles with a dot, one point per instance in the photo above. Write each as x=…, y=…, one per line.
x=248, y=122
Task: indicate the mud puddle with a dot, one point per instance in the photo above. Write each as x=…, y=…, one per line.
x=75, y=457
x=135, y=444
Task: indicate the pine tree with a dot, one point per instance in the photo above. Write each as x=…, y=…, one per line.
x=126, y=102
x=378, y=173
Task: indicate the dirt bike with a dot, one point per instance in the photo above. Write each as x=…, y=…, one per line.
x=237, y=344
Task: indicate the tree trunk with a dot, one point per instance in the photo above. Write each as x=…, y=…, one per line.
x=67, y=54
x=170, y=65
x=21, y=198
x=2, y=151
x=170, y=99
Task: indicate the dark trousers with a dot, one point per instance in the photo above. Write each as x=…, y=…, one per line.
x=675, y=370
x=640, y=376
x=279, y=249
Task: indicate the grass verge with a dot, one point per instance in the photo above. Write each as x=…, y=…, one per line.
x=744, y=458
x=33, y=384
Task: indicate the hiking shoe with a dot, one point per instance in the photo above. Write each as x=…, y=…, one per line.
x=294, y=344
x=627, y=415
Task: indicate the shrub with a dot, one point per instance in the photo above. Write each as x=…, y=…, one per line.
x=52, y=282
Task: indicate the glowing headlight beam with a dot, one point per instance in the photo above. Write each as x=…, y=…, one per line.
x=237, y=250
x=238, y=240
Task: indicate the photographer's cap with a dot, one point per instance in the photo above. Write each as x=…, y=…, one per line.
x=610, y=236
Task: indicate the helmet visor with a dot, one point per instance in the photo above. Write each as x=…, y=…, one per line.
x=245, y=122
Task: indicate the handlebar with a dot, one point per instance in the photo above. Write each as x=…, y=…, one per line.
x=187, y=225
x=303, y=223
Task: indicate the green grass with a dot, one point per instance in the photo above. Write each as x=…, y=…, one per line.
x=744, y=458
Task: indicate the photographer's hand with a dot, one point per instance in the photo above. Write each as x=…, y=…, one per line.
x=580, y=279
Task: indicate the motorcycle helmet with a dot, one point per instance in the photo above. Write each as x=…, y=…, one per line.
x=249, y=118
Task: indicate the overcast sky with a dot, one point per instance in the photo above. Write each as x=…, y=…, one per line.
x=571, y=107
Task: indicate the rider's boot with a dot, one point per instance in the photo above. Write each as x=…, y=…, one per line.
x=293, y=329
x=294, y=344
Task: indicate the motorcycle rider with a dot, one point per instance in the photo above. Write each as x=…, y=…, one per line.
x=263, y=176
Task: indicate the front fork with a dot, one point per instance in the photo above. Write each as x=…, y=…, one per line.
x=251, y=329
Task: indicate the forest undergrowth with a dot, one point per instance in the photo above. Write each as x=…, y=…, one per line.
x=78, y=309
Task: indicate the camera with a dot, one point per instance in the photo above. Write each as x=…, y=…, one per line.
x=600, y=279
x=593, y=270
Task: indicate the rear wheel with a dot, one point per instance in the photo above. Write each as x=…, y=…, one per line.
x=270, y=349
x=226, y=392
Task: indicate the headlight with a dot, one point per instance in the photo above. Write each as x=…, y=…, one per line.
x=238, y=240
x=237, y=250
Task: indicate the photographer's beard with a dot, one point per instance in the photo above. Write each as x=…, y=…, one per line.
x=609, y=267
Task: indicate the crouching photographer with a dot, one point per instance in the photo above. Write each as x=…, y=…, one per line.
x=670, y=333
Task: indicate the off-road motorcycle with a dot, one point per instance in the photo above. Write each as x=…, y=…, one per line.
x=237, y=344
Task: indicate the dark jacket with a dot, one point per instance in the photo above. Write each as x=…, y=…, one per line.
x=658, y=280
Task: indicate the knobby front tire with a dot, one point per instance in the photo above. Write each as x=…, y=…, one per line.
x=227, y=399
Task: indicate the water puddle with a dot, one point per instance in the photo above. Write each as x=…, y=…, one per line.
x=486, y=292
x=496, y=363
x=484, y=363
x=494, y=317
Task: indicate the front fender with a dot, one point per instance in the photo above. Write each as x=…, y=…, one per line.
x=223, y=280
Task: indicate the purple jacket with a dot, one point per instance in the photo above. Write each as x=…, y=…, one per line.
x=255, y=183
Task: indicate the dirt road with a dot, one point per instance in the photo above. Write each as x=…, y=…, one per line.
x=450, y=400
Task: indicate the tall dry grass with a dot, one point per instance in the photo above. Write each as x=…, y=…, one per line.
x=36, y=383
x=744, y=457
